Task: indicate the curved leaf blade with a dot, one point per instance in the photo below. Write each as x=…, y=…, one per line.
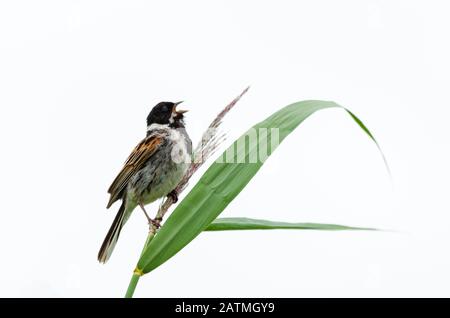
x=245, y=224
x=221, y=183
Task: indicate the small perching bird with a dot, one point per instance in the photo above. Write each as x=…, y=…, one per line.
x=152, y=171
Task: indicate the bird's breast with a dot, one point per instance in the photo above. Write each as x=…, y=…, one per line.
x=165, y=169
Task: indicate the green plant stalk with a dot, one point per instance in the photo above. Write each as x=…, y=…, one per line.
x=132, y=286
x=137, y=274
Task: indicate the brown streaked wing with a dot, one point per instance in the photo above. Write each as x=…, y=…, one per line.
x=143, y=151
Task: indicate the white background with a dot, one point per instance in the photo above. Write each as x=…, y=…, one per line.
x=78, y=78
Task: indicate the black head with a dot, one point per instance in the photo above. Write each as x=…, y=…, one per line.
x=166, y=113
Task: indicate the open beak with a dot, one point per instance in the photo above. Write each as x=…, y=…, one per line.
x=180, y=111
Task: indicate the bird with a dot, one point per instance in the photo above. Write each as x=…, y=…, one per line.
x=152, y=171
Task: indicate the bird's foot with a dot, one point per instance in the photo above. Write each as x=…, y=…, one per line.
x=174, y=196
x=156, y=222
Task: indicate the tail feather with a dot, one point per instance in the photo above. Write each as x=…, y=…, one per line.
x=113, y=234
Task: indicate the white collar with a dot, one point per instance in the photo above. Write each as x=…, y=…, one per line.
x=157, y=126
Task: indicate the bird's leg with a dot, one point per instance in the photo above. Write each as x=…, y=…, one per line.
x=156, y=222
x=145, y=212
x=174, y=196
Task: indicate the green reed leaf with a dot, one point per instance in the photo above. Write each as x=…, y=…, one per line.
x=240, y=224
